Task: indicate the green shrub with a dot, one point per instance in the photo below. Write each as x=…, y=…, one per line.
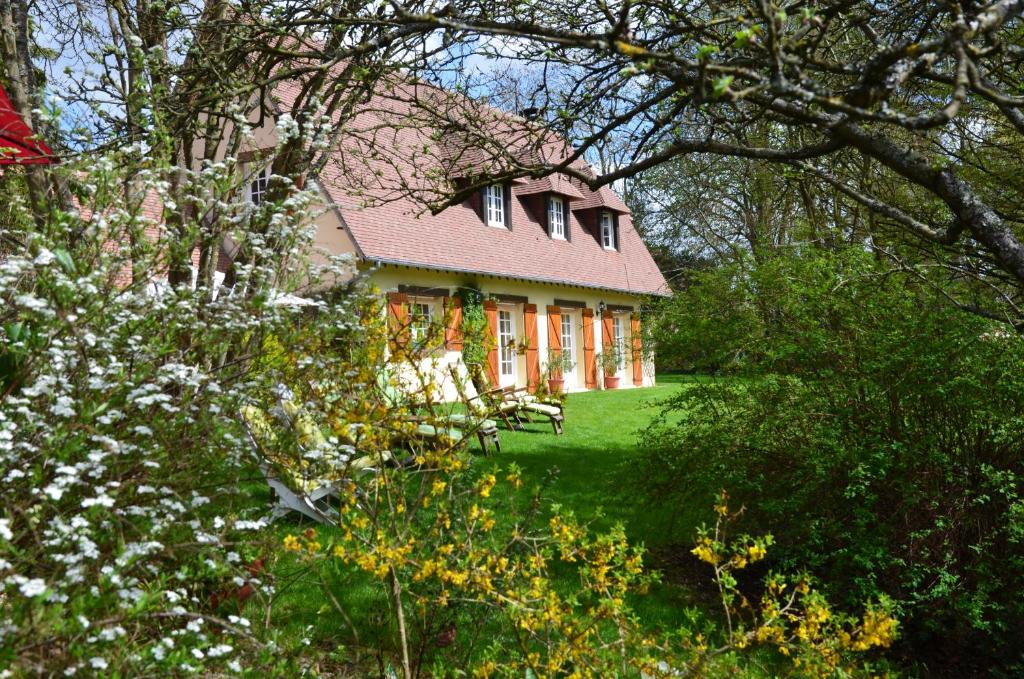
x=875, y=428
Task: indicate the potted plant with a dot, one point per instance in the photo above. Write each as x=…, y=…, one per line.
x=610, y=360
x=558, y=364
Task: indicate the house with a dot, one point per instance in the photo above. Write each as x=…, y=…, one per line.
x=560, y=267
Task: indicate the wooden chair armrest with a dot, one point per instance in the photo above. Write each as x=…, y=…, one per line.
x=491, y=392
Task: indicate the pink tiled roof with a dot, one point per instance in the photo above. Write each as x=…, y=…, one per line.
x=395, y=157
x=555, y=183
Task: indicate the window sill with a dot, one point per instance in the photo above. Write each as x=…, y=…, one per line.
x=497, y=226
x=561, y=238
x=610, y=249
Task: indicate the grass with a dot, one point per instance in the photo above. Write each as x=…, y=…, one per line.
x=591, y=470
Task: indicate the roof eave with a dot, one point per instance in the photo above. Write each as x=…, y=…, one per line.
x=531, y=279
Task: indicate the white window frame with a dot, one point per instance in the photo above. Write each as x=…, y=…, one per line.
x=568, y=333
x=421, y=316
x=618, y=333
x=608, y=230
x=258, y=187
x=556, y=217
x=507, y=359
x=494, y=205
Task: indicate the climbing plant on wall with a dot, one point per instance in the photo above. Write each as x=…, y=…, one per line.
x=475, y=338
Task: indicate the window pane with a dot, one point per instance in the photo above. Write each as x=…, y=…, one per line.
x=258, y=186
x=505, y=340
x=421, y=317
x=607, y=232
x=556, y=217
x=620, y=341
x=496, y=205
x=567, y=344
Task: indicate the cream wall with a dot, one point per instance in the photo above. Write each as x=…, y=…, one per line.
x=387, y=279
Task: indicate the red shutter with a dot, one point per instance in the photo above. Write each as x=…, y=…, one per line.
x=589, y=359
x=491, y=314
x=638, y=366
x=453, y=329
x=555, y=333
x=398, y=326
x=532, y=357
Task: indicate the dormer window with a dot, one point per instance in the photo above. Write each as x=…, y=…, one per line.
x=556, y=217
x=259, y=186
x=494, y=207
x=608, y=231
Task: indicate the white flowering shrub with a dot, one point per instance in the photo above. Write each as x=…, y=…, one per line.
x=126, y=512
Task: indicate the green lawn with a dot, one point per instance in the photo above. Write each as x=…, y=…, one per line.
x=594, y=458
x=596, y=476
x=594, y=472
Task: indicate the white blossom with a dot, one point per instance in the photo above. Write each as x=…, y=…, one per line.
x=33, y=587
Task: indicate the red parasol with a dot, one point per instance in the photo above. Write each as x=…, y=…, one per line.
x=16, y=144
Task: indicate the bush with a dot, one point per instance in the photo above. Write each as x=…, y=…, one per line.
x=124, y=517
x=875, y=428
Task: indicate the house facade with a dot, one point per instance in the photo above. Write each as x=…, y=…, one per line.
x=560, y=267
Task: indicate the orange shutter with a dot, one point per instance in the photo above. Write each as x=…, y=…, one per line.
x=532, y=358
x=453, y=330
x=607, y=332
x=491, y=314
x=555, y=334
x=398, y=326
x=638, y=366
x=589, y=360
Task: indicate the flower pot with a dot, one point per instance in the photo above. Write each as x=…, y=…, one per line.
x=555, y=385
x=611, y=382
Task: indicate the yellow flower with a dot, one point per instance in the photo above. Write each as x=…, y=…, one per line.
x=704, y=551
x=486, y=485
x=438, y=487
x=291, y=543
x=879, y=629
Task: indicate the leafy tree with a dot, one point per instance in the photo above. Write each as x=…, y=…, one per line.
x=859, y=97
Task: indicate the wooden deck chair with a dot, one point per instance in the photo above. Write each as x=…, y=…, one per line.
x=483, y=405
x=506, y=403
x=474, y=419
x=526, y=405
x=347, y=456
x=296, y=487
x=294, y=491
x=424, y=429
